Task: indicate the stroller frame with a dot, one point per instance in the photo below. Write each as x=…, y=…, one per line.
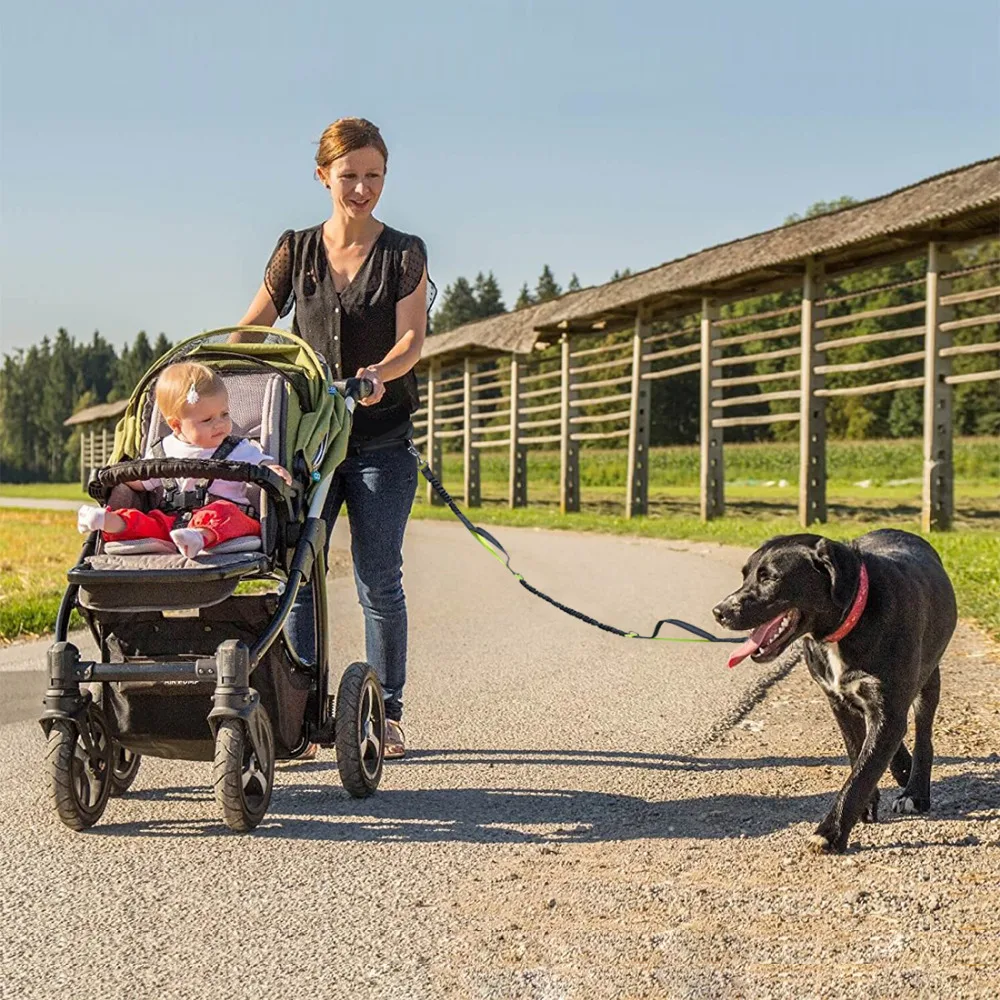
x=91, y=758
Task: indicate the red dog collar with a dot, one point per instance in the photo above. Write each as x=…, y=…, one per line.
x=857, y=609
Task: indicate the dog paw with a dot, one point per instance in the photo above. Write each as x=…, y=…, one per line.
x=909, y=804
x=819, y=844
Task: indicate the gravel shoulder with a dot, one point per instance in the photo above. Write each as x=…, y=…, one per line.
x=712, y=892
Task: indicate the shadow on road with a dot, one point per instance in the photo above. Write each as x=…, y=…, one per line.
x=536, y=816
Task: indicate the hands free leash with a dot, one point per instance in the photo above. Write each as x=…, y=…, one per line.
x=496, y=550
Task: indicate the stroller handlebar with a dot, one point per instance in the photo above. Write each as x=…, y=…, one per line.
x=103, y=481
x=354, y=388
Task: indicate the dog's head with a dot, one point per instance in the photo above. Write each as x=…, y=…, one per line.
x=793, y=585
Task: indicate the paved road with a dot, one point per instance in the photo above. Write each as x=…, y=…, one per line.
x=36, y=504
x=527, y=727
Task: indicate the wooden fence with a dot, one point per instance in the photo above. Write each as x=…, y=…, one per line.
x=569, y=396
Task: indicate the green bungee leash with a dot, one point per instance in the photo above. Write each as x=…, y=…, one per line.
x=498, y=552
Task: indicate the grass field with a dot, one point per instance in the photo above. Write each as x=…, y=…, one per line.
x=44, y=491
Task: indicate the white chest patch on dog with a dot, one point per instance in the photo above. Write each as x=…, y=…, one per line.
x=839, y=681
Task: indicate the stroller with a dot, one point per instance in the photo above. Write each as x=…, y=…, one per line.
x=195, y=663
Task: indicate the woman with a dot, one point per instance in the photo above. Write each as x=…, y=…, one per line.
x=360, y=291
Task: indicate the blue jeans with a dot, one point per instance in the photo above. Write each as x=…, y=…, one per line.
x=378, y=488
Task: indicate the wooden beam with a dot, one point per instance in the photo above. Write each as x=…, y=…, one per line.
x=569, y=450
x=812, y=408
x=637, y=478
x=517, y=486
x=470, y=464
x=938, y=501
x=712, y=469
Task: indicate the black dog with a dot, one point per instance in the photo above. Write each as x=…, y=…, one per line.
x=875, y=617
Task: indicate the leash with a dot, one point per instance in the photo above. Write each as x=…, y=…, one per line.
x=495, y=549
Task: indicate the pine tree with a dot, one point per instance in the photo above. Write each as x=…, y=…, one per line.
x=489, y=299
x=458, y=306
x=524, y=298
x=574, y=283
x=547, y=288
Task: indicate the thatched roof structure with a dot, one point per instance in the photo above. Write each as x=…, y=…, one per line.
x=102, y=411
x=962, y=203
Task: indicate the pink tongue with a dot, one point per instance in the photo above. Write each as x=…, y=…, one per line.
x=754, y=642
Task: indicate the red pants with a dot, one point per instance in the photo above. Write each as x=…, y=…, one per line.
x=222, y=517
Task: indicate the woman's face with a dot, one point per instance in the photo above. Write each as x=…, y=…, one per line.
x=355, y=182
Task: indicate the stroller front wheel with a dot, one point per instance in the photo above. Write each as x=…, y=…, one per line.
x=359, y=730
x=124, y=768
x=79, y=782
x=243, y=778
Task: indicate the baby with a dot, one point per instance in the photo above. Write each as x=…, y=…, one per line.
x=195, y=405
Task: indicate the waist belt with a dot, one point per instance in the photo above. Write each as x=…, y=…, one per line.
x=366, y=447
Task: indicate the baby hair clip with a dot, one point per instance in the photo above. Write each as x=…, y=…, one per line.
x=192, y=395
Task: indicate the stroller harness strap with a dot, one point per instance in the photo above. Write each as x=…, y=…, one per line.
x=174, y=500
x=495, y=549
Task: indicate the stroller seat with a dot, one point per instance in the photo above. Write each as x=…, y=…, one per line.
x=149, y=574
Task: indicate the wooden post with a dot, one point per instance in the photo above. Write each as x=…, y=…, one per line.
x=471, y=455
x=637, y=497
x=812, y=408
x=713, y=483
x=432, y=448
x=83, y=458
x=569, y=450
x=938, y=507
x=517, y=493
x=105, y=450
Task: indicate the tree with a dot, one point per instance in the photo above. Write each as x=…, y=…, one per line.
x=822, y=208
x=618, y=275
x=546, y=288
x=524, y=298
x=458, y=306
x=132, y=365
x=574, y=283
x=489, y=300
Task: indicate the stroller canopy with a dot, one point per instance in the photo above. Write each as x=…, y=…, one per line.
x=316, y=419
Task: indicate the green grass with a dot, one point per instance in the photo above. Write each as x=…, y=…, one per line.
x=975, y=459
x=43, y=491
x=37, y=547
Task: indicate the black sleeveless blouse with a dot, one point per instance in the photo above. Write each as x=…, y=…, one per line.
x=356, y=327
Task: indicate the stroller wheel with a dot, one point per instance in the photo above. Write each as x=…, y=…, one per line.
x=79, y=784
x=359, y=730
x=243, y=780
x=124, y=768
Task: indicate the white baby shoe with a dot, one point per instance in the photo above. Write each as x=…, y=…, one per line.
x=189, y=541
x=90, y=519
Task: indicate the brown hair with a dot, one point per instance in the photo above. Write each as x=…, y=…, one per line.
x=346, y=135
x=176, y=383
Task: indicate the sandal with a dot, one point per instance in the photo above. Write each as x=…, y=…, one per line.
x=395, y=740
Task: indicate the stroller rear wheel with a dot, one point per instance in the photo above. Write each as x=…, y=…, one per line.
x=124, y=768
x=79, y=782
x=359, y=730
x=243, y=778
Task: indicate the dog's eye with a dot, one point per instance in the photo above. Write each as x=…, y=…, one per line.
x=764, y=574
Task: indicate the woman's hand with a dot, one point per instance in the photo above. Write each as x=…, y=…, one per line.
x=281, y=471
x=378, y=386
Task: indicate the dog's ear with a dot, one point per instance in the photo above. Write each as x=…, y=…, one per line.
x=835, y=561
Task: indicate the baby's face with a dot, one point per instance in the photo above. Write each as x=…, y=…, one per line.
x=204, y=424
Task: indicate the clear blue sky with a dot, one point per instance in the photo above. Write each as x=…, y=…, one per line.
x=152, y=152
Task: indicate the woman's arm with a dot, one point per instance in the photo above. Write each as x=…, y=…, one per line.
x=411, y=331
x=261, y=312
